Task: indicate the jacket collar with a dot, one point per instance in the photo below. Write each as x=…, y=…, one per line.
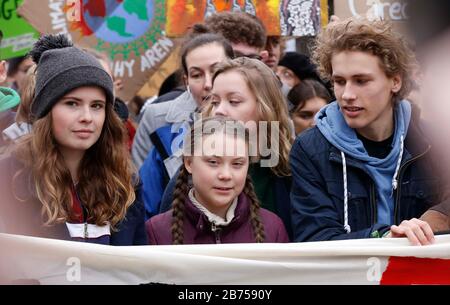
x=219, y=221
x=181, y=108
x=416, y=143
x=201, y=222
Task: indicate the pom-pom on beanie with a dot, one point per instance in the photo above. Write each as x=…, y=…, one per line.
x=61, y=68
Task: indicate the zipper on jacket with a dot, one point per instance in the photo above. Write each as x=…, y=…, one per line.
x=216, y=231
x=400, y=176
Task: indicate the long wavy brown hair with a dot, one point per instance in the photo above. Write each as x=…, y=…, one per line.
x=106, y=183
x=181, y=190
x=272, y=107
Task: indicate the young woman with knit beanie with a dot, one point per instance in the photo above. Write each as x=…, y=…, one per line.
x=71, y=177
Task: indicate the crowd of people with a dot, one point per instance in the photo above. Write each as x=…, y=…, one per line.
x=246, y=143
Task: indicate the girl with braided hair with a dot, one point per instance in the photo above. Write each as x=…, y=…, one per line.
x=247, y=90
x=214, y=200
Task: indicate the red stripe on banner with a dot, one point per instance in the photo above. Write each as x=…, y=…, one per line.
x=414, y=270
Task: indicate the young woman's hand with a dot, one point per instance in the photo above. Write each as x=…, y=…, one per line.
x=417, y=231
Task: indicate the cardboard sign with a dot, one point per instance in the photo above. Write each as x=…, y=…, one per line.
x=18, y=35
x=129, y=31
x=153, y=84
x=280, y=17
x=393, y=10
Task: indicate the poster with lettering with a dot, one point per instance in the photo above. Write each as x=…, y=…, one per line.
x=131, y=32
x=393, y=10
x=18, y=35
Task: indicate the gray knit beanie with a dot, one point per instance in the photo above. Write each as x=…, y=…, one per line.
x=61, y=68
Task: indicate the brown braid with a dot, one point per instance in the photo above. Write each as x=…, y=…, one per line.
x=258, y=227
x=179, y=196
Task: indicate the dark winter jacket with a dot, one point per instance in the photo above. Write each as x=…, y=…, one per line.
x=317, y=195
x=198, y=230
x=281, y=189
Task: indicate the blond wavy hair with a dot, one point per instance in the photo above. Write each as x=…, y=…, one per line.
x=375, y=37
x=106, y=185
x=272, y=107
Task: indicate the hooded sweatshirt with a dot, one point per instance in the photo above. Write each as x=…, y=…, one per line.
x=331, y=123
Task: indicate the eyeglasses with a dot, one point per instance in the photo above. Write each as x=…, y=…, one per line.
x=253, y=56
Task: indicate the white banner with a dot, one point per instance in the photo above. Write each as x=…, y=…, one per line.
x=369, y=261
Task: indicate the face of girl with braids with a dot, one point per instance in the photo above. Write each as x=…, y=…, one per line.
x=219, y=170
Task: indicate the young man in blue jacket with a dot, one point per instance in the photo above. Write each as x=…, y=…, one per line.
x=365, y=169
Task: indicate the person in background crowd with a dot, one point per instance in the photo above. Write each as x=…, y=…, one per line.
x=295, y=67
x=172, y=82
x=17, y=69
x=275, y=49
x=9, y=99
x=199, y=56
x=245, y=32
x=171, y=88
x=135, y=106
x=307, y=98
x=24, y=118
